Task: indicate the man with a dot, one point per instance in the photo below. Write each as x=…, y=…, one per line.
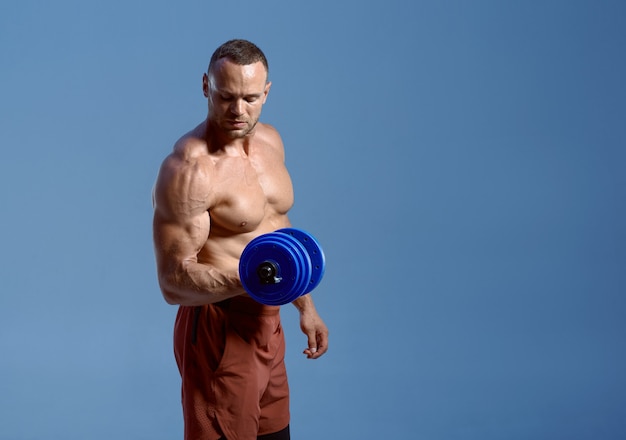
x=224, y=184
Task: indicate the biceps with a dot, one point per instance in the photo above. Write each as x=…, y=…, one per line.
x=178, y=241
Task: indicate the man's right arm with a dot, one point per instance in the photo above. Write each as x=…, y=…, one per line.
x=181, y=228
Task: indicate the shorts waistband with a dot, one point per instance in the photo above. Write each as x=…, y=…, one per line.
x=247, y=306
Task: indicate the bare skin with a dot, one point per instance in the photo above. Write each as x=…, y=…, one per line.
x=224, y=184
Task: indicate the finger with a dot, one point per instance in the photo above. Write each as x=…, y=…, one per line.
x=322, y=344
x=322, y=347
x=312, y=342
x=317, y=347
x=311, y=353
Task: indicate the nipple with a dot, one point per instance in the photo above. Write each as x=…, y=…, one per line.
x=243, y=224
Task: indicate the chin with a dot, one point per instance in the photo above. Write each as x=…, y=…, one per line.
x=237, y=134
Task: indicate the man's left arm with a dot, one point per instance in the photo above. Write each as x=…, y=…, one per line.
x=312, y=326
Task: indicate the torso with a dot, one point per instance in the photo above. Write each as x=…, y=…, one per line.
x=248, y=194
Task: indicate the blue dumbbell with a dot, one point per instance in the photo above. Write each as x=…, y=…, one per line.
x=278, y=267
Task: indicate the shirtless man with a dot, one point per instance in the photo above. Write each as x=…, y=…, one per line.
x=224, y=184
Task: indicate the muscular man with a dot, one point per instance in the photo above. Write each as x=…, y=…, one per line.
x=224, y=184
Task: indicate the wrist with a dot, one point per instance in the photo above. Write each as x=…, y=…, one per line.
x=304, y=304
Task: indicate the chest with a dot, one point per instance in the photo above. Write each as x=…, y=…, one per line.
x=249, y=191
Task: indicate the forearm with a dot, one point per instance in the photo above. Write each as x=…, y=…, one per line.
x=197, y=284
x=312, y=326
x=304, y=304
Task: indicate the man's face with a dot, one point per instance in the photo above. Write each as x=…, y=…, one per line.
x=236, y=95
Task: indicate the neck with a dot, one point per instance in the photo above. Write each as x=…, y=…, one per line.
x=217, y=140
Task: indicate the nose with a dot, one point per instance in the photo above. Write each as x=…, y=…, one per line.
x=237, y=107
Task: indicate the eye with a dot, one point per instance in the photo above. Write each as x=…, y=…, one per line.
x=251, y=99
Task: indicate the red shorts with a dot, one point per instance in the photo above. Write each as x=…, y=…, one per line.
x=231, y=357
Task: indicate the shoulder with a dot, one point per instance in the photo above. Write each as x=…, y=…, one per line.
x=191, y=146
x=269, y=137
x=188, y=160
x=184, y=178
x=268, y=133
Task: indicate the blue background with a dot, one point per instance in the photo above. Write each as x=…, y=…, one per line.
x=462, y=163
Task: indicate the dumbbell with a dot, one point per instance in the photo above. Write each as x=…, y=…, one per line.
x=279, y=267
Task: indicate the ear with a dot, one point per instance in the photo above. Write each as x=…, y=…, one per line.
x=266, y=91
x=205, y=85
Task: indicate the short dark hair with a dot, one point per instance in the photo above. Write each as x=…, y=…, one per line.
x=241, y=52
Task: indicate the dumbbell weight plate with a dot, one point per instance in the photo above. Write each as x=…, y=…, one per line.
x=291, y=259
x=316, y=254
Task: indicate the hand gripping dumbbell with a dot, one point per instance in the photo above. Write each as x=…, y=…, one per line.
x=279, y=267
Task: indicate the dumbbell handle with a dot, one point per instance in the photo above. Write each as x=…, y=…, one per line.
x=268, y=273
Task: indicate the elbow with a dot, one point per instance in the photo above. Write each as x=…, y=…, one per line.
x=170, y=298
x=169, y=290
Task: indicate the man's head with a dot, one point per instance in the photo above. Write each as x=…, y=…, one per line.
x=241, y=52
x=236, y=86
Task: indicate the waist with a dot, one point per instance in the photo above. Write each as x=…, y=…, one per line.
x=247, y=306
